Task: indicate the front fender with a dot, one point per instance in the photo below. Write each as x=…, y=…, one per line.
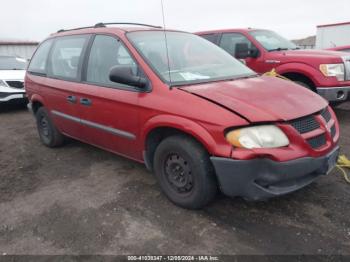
x=37, y=98
x=215, y=146
x=301, y=68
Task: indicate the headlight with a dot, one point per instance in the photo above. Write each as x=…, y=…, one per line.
x=336, y=70
x=266, y=136
x=3, y=84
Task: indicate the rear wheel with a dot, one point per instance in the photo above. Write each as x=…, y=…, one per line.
x=48, y=133
x=184, y=172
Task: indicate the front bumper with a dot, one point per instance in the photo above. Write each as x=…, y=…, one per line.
x=5, y=96
x=262, y=178
x=334, y=94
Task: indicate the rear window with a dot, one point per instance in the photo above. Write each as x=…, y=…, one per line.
x=66, y=55
x=38, y=61
x=211, y=37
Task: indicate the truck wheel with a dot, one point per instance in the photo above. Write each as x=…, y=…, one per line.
x=48, y=133
x=303, y=84
x=184, y=171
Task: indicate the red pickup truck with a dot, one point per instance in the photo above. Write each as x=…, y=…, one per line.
x=345, y=48
x=323, y=71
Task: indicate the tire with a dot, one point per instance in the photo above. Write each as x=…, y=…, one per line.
x=336, y=104
x=48, y=133
x=184, y=172
x=303, y=84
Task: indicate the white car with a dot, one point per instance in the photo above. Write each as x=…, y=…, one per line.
x=12, y=71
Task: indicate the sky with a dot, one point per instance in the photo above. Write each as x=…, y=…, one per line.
x=36, y=19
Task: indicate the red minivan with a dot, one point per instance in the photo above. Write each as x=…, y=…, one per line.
x=196, y=116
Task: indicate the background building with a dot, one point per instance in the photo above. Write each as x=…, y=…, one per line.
x=333, y=35
x=23, y=49
x=306, y=43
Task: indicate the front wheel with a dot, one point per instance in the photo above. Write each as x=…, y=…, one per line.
x=184, y=172
x=303, y=84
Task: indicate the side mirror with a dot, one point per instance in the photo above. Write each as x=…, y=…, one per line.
x=254, y=53
x=123, y=74
x=242, y=51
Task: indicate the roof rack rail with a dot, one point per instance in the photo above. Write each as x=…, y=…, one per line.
x=99, y=25
x=121, y=23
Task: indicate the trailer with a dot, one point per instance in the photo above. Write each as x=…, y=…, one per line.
x=333, y=35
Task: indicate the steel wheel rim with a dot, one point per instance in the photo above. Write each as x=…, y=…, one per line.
x=44, y=127
x=178, y=173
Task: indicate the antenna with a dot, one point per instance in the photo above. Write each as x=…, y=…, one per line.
x=166, y=42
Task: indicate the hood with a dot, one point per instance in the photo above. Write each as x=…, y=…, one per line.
x=324, y=55
x=12, y=75
x=261, y=99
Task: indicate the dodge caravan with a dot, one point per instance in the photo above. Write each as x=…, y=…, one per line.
x=196, y=116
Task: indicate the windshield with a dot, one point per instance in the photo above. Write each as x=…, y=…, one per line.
x=12, y=63
x=190, y=58
x=272, y=41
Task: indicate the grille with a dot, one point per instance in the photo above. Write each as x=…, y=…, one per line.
x=326, y=115
x=333, y=131
x=15, y=84
x=317, y=141
x=347, y=67
x=305, y=124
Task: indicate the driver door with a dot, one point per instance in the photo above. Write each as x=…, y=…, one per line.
x=229, y=41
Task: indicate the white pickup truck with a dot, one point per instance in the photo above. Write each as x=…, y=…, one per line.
x=12, y=71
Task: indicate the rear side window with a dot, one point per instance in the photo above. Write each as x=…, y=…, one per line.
x=66, y=55
x=211, y=37
x=38, y=61
x=107, y=52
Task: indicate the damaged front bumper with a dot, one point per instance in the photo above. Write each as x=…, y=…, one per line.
x=261, y=178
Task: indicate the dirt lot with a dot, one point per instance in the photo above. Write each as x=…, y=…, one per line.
x=81, y=200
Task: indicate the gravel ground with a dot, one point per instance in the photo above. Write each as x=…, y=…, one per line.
x=81, y=200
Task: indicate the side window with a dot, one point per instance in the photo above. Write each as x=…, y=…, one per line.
x=211, y=37
x=107, y=52
x=66, y=55
x=229, y=40
x=38, y=61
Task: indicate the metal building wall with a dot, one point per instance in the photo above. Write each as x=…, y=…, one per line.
x=24, y=51
x=332, y=36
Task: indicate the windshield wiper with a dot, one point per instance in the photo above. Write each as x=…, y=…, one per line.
x=278, y=49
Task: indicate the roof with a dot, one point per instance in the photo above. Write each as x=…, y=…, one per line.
x=226, y=30
x=111, y=30
x=337, y=24
x=104, y=27
x=7, y=42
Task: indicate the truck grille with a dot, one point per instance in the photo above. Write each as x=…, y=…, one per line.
x=347, y=67
x=305, y=124
x=15, y=84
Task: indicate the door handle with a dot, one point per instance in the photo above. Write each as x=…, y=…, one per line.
x=85, y=101
x=71, y=99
